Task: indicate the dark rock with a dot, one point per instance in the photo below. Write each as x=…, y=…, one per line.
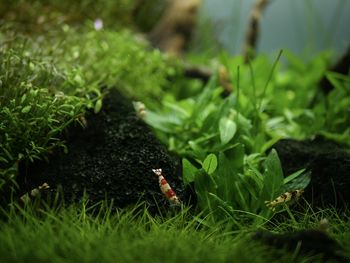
x=306, y=242
x=329, y=165
x=112, y=158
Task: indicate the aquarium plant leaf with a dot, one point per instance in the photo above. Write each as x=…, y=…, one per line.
x=210, y=163
x=227, y=128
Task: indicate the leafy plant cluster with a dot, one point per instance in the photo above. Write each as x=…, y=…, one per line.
x=48, y=83
x=298, y=108
x=224, y=140
x=335, y=110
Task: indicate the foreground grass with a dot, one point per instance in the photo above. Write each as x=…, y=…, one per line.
x=76, y=235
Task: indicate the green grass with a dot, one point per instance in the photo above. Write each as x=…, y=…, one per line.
x=75, y=235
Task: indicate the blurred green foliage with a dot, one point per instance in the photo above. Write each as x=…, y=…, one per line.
x=44, y=15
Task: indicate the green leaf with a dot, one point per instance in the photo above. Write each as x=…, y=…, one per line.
x=189, y=171
x=23, y=98
x=2, y=159
x=300, y=182
x=227, y=128
x=204, y=184
x=236, y=157
x=241, y=195
x=98, y=106
x=197, y=149
x=293, y=176
x=210, y=163
x=159, y=122
x=26, y=109
x=9, y=155
x=180, y=111
x=273, y=176
x=228, y=208
x=230, y=165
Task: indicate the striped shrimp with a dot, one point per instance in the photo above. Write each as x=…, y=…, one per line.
x=166, y=189
x=283, y=198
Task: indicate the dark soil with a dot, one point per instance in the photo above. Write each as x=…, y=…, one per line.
x=112, y=158
x=329, y=165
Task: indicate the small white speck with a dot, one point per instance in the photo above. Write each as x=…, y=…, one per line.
x=98, y=24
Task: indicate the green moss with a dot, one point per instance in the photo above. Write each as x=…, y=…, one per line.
x=47, y=82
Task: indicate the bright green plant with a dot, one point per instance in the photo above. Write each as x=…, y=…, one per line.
x=223, y=141
x=264, y=107
x=106, y=58
x=231, y=187
x=114, y=59
x=36, y=103
x=46, y=83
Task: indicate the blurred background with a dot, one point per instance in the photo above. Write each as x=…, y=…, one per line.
x=305, y=27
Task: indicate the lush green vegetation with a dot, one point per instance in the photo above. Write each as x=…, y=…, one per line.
x=48, y=83
x=79, y=234
x=55, y=67
x=224, y=139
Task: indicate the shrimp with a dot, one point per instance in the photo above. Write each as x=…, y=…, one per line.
x=165, y=188
x=283, y=198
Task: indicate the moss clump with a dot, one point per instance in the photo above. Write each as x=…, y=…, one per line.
x=36, y=103
x=48, y=82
